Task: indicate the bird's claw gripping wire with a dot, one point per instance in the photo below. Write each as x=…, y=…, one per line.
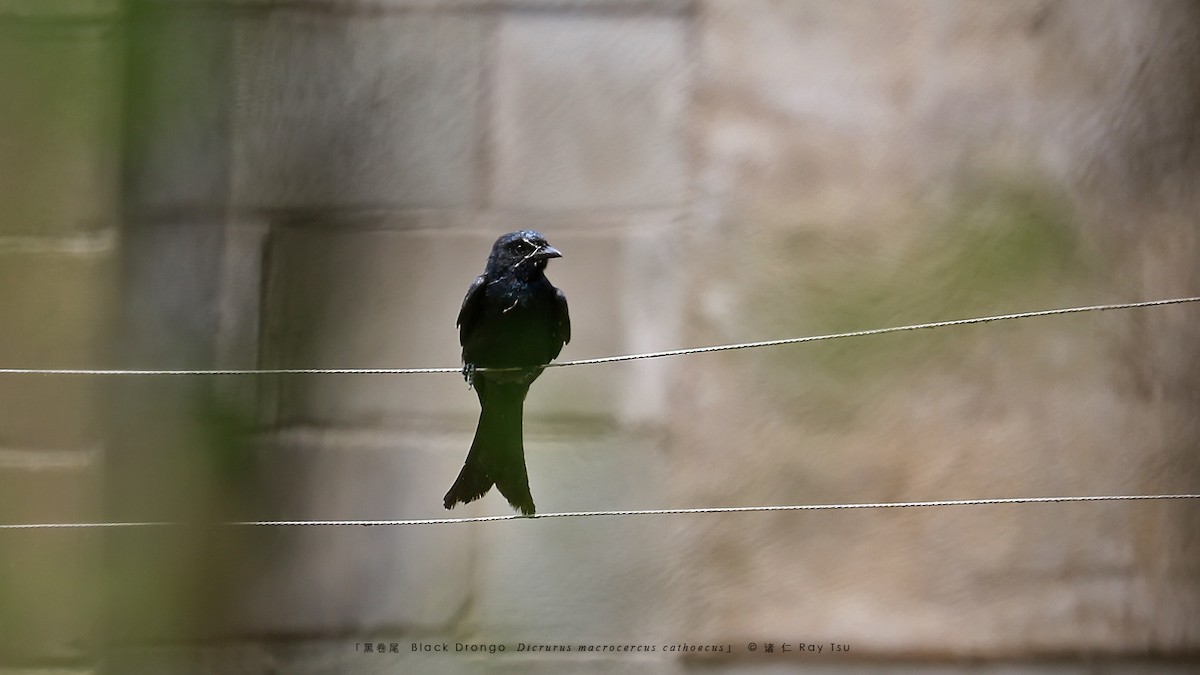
x=468, y=373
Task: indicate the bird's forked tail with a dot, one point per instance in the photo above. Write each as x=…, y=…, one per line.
x=497, y=455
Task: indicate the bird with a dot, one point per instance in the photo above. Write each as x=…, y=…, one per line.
x=511, y=318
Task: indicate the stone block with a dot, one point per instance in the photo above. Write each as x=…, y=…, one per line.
x=521, y=580
x=359, y=299
x=534, y=578
x=590, y=663
x=60, y=126
x=48, y=581
x=624, y=287
x=353, y=110
x=249, y=658
x=179, y=105
x=347, y=656
x=192, y=298
x=170, y=307
x=350, y=579
x=589, y=112
x=49, y=486
x=57, y=314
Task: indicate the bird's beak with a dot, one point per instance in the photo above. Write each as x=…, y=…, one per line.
x=547, y=252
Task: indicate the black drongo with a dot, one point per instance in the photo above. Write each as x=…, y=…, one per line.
x=513, y=318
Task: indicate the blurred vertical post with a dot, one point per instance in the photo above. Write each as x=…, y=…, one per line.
x=188, y=300
x=59, y=123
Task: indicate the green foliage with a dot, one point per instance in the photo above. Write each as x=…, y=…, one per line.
x=995, y=247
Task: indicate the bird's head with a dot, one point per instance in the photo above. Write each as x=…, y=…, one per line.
x=523, y=253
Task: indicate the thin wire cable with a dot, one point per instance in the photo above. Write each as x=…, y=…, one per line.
x=268, y=371
x=879, y=331
x=611, y=359
x=631, y=512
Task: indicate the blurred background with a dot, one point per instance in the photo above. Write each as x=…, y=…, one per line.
x=314, y=183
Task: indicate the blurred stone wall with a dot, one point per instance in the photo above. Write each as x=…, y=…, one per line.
x=60, y=112
x=314, y=183
x=867, y=164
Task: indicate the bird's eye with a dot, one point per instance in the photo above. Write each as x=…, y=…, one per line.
x=525, y=246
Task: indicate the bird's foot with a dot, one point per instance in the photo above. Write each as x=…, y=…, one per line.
x=468, y=372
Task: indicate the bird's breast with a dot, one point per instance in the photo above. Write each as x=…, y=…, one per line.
x=515, y=329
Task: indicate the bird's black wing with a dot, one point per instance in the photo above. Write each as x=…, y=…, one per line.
x=471, y=307
x=562, y=320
